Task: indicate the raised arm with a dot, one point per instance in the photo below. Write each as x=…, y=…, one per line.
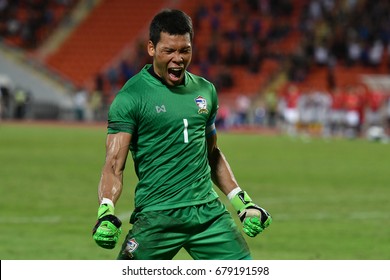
x=111, y=181
x=107, y=229
x=254, y=218
x=221, y=173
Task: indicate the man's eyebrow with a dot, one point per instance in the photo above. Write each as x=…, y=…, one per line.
x=167, y=49
x=173, y=49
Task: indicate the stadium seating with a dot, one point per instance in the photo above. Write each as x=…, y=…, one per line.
x=113, y=29
x=26, y=24
x=98, y=45
x=230, y=15
x=110, y=27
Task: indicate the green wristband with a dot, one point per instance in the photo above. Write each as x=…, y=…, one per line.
x=241, y=201
x=104, y=210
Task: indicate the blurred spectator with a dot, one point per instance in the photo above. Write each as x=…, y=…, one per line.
x=223, y=79
x=375, y=53
x=256, y=57
x=223, y=116
x=271, y=103
x=80, y=101
x=353, y=107
x=204, y=63
x=22, y=98
x=242, y=109
x=290, y=109
x=281, y=7
x=260, y=114
x=331, y=76
x=374, y=105
x=5, y=102
x=213, y=54
x=113, y=77
x=200, y=13
x=306, y=111
x=97, y=106
x=321, y=54
x=278, y=30
x=322, y=102
x=127, y=70
x=99, y=82
x=237, y=54
x=298, y=65
x=337, y=112
x=354, y=52
x=338, y=44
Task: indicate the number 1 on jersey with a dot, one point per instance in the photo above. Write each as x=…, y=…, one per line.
x=185, y=131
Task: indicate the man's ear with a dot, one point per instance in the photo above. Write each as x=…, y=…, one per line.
x=151, y=49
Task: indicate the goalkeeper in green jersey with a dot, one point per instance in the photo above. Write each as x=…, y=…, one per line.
x=164, y=116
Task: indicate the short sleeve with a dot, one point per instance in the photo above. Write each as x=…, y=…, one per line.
x=121, y=115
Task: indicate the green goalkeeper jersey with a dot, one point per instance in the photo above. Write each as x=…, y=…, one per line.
x=168, y=127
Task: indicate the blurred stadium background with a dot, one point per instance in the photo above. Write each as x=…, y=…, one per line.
x=66, y=59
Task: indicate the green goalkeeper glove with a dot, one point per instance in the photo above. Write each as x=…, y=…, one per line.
x=107, y=230
x=254, y=218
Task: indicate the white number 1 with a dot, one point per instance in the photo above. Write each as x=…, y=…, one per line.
x=185, y=132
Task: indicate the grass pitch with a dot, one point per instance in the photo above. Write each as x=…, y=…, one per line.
x=329, y=199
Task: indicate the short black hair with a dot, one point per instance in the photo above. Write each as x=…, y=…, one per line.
x=173, y=22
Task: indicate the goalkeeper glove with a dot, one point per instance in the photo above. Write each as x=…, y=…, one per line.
x=107, y=230
x=254, y=218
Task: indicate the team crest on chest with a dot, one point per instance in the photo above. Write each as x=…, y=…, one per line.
x=202, y=104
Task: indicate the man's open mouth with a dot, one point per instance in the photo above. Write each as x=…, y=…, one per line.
x=175, y=73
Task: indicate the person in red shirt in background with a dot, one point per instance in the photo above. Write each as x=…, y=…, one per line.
x=290, y=109
x=354, y=108
x=374, y=104
x=337, y=112
x=361, y=91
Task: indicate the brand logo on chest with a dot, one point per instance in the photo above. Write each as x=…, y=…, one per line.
x=160, y=109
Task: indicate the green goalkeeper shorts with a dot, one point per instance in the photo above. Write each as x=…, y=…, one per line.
x=206, y=232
